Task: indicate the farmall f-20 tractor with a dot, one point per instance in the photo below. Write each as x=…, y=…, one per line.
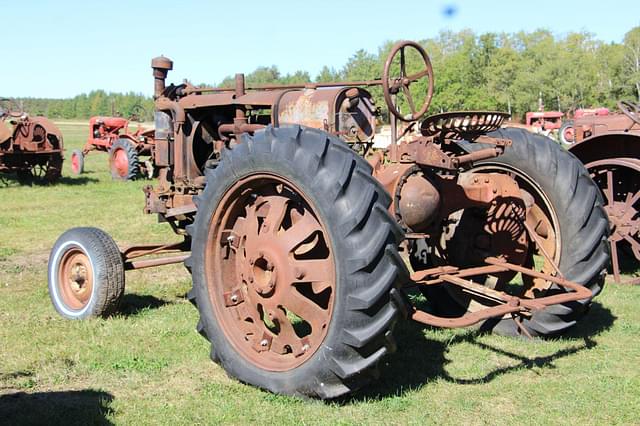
x=31, y=147
x=130, y=152
x=299, y=235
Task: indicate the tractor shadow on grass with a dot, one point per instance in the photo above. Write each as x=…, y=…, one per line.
x=133, y=304
x=82, y=407
x=420, y=360
x=11, y=180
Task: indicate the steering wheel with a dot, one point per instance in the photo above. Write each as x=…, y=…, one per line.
x=399, y=84
x=631, y=110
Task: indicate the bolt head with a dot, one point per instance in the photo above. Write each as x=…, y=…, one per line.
x=305, y=347
x=234, y=298
x=264, y=343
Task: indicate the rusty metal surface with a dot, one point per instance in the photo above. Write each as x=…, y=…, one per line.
x=463, y=124
x=271, y=272
x=507, y=304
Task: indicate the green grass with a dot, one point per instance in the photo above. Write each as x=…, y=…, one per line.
x=147, y=365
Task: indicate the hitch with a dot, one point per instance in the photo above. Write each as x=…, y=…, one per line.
x=506, y=303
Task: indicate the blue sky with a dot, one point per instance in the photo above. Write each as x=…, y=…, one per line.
x=63, y=48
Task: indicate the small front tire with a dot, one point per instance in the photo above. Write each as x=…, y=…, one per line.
x=86, y=274
x=77, y=162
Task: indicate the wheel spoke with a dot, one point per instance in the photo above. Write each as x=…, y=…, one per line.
x=631, y=200
x=286, y=336
x=415, y=77
x=402, y=63
x=407, y=93
x=306, y=309
x=614, y=261
x=299, y=231
x=317, y=272
x=248, y=310
x=635, y=245
x=273, y=219
x=608, y=192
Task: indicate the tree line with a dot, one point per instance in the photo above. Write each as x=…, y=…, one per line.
x=494, y=71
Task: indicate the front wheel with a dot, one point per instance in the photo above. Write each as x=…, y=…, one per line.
x=295, y=264
x=77, y=162
x=86, y=274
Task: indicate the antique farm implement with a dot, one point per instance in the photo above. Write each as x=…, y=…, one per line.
x=298, y=233
x=32, y=147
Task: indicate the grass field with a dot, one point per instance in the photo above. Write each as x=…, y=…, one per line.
x=147, y=365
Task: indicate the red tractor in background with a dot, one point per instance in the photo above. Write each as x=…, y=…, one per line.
x=566, y=134
x=544, y=121
x=31, y=147
x=125, y=148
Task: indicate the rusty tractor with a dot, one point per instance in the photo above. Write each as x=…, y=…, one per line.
x=609, y=146
x=126, y=148
x=299, y=233
x=31, y=147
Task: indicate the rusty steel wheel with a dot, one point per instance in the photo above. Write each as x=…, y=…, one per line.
x=86, y=274
x=44, y=169
x=295, y=264
x=619, y=180
x=272, y=258
x=567, y=229
x=123, y=160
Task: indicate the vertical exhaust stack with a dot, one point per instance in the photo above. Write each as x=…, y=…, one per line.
x=161, y=66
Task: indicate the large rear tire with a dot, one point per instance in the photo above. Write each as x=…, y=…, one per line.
x=573, y=206
x=295, y=264
x=123, y=160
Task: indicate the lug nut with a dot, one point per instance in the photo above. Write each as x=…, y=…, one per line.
x=234, y=298
x=299, y=274
x=305, y=347
x=264, y=343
